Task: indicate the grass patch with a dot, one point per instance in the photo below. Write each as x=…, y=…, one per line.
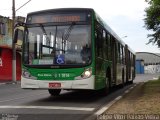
x=150, y=101
x=143, y=99
x=154, y=82
x=152, y=87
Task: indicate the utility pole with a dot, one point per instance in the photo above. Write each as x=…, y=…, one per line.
x=13, y=44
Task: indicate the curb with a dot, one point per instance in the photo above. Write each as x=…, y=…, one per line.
x=2, y=83
x=107, y=106
x=6, y=83
x=100, y=111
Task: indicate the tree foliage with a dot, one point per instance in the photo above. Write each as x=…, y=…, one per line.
x=152, y=21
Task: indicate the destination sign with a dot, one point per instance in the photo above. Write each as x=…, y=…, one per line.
x=72, y=18
x=49, y=18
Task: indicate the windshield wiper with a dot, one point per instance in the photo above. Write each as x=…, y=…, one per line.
x=67, y=34
x=43, y=30
x=45, y=33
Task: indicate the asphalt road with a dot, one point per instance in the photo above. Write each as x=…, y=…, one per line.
x=19, y=104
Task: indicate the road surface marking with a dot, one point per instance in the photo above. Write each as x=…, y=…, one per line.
x=2, y=83
x=131, y=88
x=118, y=98
x=47, y=107
x=106, y=107
x=21, y=97
x=99, y=112
x=127, y=91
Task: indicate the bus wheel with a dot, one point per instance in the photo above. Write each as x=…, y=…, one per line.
x=131, y=82
x=123, y=83
x=107, y=88
x=54, y=92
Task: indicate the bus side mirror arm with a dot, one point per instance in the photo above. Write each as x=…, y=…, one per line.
x=16, y=31
x=15, y=37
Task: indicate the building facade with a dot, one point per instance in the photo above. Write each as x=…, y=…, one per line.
x=6, y=51
x=5, y=31
x=151, y=61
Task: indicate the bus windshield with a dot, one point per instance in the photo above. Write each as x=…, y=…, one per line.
x=57, y=45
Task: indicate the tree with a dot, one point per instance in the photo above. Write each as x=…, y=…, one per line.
x=152, y=21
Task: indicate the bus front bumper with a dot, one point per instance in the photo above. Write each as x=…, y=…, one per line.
x=65, y=84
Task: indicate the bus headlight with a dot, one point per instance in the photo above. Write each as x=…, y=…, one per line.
x=86, y=74
x=26, y=74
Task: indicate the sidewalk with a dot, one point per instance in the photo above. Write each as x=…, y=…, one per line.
x=144, y=99
x=2, y=82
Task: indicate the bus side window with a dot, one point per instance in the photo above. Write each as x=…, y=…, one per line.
x=123, y=55
x=96, y=43
x=99, y=41
x=119, y=54
x=109, y=46
x=100, y=44
x=105, y=44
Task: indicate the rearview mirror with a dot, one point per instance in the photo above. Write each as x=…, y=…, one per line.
x=15, y=37
x=18, y=32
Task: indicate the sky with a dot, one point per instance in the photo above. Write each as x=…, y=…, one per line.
x=125, y=17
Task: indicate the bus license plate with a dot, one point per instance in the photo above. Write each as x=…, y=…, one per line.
x=54, y=85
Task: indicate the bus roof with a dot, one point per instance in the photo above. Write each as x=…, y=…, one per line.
x=61, y=10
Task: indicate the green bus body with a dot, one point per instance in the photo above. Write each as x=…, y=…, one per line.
x=111, y=61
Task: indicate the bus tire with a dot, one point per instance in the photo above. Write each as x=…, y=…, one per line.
x=54, y=92
x=131, y=82
x=123, y=83
x=107, y=88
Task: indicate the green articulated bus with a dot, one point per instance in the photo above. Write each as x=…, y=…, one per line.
x=73, y=49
